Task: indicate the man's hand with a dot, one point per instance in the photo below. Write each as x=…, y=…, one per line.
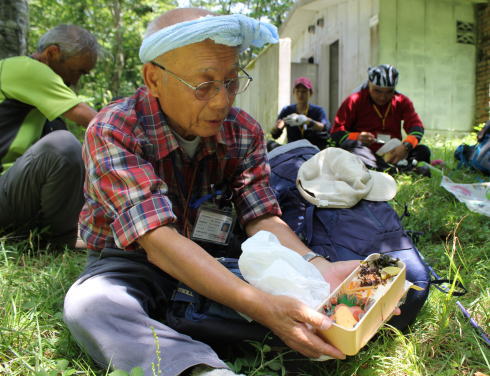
x=334, y=272
x=295, y=323
x=397, y=154
x=366, y=138
x=280, y=124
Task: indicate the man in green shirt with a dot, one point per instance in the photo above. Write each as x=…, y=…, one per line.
x=40, y=161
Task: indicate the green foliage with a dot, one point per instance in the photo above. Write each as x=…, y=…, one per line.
x=274, y=12
x=118, y=25
x=137, y=371
x=455, y=241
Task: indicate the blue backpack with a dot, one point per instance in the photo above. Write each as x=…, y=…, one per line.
x=476, y=156
x=347, y=234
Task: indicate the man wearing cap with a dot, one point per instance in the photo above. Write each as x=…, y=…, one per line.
x=373, y=115
x=154, y=162
x=303, y=120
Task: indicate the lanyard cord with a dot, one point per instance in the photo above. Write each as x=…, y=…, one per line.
x=187, y=230
x=186, y=200
x=383, y=118
x=305, y=112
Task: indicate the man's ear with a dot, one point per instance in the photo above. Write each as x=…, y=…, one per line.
x=152, y=78
x=52, y=53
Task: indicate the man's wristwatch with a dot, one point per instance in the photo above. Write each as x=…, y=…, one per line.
x=311, y=255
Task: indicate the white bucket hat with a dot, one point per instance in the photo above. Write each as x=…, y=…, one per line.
x=335, y=178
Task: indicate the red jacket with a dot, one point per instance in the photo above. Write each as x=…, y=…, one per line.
x=358, y=114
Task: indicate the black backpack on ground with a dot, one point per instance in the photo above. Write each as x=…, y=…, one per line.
x=347, y=234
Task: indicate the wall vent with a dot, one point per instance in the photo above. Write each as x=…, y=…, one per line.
x=465, y=32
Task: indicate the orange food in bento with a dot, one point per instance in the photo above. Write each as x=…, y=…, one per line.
x=344, y=316
x=354, y=299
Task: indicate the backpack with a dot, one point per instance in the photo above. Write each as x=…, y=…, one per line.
x=347, y=234
x=214, y=323
x=476, y=156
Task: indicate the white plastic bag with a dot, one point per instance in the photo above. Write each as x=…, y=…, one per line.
x=266, y=264
x=295, y=120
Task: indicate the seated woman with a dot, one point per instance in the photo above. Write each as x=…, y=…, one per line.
x=303, y=120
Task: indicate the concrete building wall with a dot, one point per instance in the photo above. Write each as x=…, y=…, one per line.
x=324, y=23
x=420, y=38
x=270, y=88
x=483, y=64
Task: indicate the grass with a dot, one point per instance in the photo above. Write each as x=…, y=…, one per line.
x=455, y=241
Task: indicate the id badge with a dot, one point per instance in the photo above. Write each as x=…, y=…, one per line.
x=213, y=225
x=384, y=138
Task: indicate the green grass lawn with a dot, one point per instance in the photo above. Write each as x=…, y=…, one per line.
x=455, y=241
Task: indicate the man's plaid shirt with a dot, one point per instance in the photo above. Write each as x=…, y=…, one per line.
x=131, y=186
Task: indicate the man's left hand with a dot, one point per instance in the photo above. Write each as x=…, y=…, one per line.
x=334, y=272
x=397, y=154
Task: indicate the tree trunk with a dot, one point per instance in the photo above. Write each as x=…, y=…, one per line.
x=14, y=19
x=117, y=50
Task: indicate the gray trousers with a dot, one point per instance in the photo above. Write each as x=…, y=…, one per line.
x=115, y=312
x=43, y=189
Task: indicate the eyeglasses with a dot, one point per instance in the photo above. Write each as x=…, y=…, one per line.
x=209, y=89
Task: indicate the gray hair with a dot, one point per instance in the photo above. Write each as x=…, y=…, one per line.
x=72, y=40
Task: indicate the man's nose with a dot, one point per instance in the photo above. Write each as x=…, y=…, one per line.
x=222, y=98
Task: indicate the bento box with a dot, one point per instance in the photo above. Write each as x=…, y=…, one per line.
x=363, y=302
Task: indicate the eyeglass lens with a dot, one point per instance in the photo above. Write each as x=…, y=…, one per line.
x=207, y=90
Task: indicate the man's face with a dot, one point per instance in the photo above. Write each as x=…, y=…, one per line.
x=302, y=94
x=195, y=63
x=72, y=68
x=381, y=95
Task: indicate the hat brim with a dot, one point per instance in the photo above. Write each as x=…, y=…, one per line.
x=384, y=187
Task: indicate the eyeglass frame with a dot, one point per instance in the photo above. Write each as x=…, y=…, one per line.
x=250, y=79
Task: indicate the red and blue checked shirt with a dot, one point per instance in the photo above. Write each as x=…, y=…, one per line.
x=131, y=187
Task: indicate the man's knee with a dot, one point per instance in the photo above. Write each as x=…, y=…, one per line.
x=82, y=305
x=87, y=308
x=63, y=145
x=91, y=303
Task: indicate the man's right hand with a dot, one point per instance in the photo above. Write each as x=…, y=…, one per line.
x=81, y=114
x=295, y=323
x=366, y=138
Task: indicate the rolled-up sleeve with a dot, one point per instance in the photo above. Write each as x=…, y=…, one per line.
x=124, y=186
x=254, y=196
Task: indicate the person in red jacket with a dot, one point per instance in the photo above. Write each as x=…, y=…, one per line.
x=373, y=115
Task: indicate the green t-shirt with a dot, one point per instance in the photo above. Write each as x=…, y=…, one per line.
x=30, y=93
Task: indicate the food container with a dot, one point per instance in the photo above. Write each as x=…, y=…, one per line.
x=351, y=340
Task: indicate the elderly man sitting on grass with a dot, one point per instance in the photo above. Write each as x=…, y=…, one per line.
x=148, y=157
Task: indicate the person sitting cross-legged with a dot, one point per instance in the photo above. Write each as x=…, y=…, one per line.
x=303, y=120
x=148, y=157
x=373, y=115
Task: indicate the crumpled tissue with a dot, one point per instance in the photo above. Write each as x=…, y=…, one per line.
x=266, y=264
